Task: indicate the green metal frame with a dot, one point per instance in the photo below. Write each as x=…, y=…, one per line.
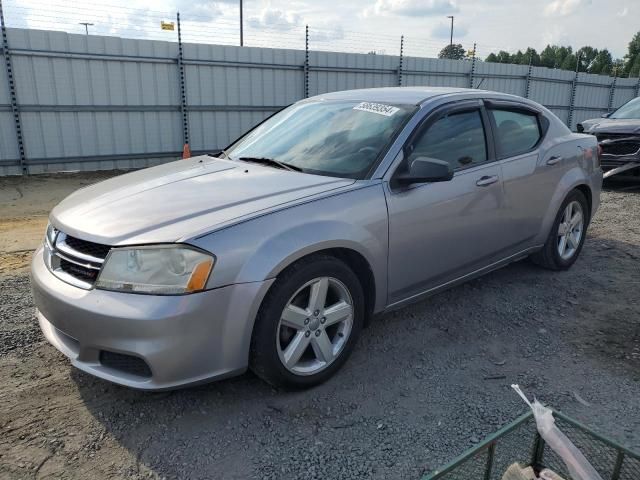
x=489, y=444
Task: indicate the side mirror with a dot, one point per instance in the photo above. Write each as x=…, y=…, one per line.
x=425, y=169
x=605, y=115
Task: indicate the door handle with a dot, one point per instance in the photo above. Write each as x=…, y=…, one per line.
x=486, y=180
x=553, y=160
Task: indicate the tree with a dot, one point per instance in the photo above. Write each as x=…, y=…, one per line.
x=602, y=63
x=504, y=57
x=548, y=57
x=569, y=62
x=530, y=55
x=586, y=55
x=518, y=58
x=631, y=59
x=491, y=58
x=561, y=56
x=586, y=59
x=453, y=52
x=634, y=71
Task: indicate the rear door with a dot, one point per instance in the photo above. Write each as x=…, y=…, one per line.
x=443, y=230
x=530, y=173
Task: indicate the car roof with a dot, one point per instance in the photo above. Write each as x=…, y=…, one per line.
x=399, y=95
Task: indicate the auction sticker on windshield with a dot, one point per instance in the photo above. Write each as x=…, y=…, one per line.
x=379, y=108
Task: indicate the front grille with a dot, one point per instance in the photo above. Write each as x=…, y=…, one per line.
x=88, y=248
x=74, y=260
x=80, y=272
x=618, y=144
x=621, y=148
x=125, y=363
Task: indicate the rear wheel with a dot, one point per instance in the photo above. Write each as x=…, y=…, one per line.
x=567, y=235
x=308, y=324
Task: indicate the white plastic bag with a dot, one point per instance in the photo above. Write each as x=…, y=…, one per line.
x=578, y=466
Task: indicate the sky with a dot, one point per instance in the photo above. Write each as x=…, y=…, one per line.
x=356, y=25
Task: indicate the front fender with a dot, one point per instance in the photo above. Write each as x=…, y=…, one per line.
x=261, y=248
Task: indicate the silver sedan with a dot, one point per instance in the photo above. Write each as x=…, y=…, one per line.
x=275, y=253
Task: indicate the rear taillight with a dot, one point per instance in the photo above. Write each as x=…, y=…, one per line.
x=599, y=156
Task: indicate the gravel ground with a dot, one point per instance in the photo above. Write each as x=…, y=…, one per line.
x=424, y=384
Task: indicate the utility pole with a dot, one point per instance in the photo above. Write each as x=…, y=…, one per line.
x=86, y=27
x=241, y=26
x=451, y=38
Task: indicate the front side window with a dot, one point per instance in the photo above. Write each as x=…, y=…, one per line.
x=335, y=138
x=517, y=132
x=628, y=110
x=457, y=138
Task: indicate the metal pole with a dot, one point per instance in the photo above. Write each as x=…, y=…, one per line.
x=451, y=36
x=241, y=27
x=306, y=61
x=400, y=63
x=574, y=87
x=612, y=90
x=86, y=27
x=527, y=89
x=183, y=93
x=13, y=95
x=473, y=67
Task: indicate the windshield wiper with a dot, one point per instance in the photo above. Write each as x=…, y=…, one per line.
x=272, y=162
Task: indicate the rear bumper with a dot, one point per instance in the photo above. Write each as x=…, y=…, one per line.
x=182, y=339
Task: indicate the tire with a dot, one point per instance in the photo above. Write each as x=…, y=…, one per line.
x=273, y=332
x=550, y=256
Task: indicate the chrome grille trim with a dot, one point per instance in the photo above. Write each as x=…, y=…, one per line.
x=70, y=259
x=62, y=246
x=57, y=251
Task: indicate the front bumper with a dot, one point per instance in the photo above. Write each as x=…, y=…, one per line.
x=183, y=339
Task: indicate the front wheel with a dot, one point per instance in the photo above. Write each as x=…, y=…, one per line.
x=308, y=324
x=567, y=234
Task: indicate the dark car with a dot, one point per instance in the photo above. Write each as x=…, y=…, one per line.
x=618, y=134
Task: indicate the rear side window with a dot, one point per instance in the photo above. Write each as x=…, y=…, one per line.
x=457, y=138
x=517, y=132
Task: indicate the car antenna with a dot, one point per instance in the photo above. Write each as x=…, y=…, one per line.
x=478, y=86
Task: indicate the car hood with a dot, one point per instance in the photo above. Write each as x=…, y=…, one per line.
x=181, y=200
x=612, y=125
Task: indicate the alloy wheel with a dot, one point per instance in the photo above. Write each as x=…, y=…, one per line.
x=315, y=326
x=570, y=230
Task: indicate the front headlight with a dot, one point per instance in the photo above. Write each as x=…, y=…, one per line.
x=164, y=270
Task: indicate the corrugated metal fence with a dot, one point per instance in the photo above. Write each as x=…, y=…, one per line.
x=86, y=102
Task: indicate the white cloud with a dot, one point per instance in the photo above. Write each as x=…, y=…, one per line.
x=443, y=30
x=623, y=12
x=412, y=8
x=197, y=11
x=275, y=19
x=565, y=7
x=326, y=35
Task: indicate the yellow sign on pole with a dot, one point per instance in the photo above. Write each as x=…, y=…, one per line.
x=167, y=25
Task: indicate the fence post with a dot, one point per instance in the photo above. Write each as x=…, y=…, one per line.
x=400, y=63
x=574, y=87
x=527, y=89
x=13, y=94
x=473, y=67
x=183, y=91
x=306, y=61
x=612, y=90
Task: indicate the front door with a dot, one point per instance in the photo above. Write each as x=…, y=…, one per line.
x=443, y=230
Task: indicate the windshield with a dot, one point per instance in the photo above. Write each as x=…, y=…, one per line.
x=335, y=138
x=628, y=110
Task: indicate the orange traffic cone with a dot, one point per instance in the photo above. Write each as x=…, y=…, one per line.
x=186, y=151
